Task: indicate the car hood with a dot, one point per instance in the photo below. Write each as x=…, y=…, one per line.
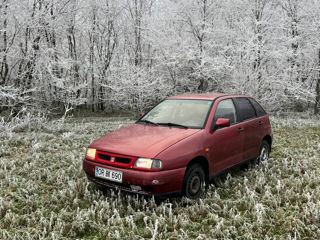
x=141, y=140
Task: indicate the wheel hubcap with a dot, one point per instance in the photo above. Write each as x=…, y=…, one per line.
x=195, y=184
x=264, y=154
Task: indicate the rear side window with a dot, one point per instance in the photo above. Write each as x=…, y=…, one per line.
x=259, y=110
x=226, y=109
x=245, y=109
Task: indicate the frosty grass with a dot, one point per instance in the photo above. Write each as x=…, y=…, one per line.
x=44, y=193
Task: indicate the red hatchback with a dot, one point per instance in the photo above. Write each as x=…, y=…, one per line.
x=181, y=144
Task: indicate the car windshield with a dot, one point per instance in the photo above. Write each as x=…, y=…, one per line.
x=179, y=113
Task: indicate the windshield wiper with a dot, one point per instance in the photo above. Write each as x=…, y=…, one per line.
x=173, y=125
x=147, y=121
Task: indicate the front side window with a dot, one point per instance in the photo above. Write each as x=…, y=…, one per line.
x=245, y=109
x=187, y=113
x=226, y=109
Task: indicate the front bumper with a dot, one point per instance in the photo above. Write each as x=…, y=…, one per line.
x=166, y=181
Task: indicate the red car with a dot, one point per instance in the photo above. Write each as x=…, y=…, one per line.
x=180, y=144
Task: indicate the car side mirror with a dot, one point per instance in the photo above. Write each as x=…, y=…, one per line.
x=223, y=122
x=141, y=114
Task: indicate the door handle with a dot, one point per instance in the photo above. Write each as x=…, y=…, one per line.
x=260, y=123
x=240, y=129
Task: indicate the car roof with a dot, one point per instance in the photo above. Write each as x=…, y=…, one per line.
x=203, y=96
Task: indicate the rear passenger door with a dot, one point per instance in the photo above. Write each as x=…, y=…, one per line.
x=252, y=135
x=263, y=120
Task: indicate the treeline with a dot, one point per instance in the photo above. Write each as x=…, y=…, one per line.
x=110, y=55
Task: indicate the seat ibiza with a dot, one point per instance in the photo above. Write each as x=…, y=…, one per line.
x=180, y=144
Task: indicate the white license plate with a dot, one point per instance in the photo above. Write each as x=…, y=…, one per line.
x=108, y=174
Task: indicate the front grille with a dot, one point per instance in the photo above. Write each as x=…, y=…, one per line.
x=104, y=157
x=123, y=160
x=109, y=158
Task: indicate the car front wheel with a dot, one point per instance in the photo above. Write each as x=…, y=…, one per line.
x=194, y=181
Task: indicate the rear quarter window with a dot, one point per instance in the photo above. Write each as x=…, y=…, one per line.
x=259, y=110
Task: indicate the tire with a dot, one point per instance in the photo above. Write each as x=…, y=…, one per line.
x=264, y=152
x=194, y=181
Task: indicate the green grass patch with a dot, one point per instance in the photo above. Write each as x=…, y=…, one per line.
x=44, y=194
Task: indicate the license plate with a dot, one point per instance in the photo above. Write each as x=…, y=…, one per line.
x=108, y=174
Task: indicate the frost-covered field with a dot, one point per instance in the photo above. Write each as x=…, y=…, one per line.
x=44, y=193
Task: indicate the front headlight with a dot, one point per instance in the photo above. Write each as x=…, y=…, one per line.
x=148, y=163
x=91, y=153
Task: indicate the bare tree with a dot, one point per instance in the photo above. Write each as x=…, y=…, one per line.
x=136, y=9
x=291, y=9
x=259, y=29
x=198, y=16
x=317, y=100
x=4, y=64
x=106, y=43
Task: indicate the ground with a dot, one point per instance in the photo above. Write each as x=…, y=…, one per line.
x=44, y=193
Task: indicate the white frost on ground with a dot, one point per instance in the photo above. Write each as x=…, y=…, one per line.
x=44, y=193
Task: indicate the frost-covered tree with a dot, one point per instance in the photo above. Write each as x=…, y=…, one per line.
x=109, y=55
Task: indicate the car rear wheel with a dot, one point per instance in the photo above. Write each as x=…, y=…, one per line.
x=194, y=181
x=264, y=152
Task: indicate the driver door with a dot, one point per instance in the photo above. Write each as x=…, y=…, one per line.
x=226, y=144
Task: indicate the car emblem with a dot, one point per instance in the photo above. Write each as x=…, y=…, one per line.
x=112, y=159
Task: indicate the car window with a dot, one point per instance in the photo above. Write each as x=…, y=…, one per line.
x=190, y=113
x=259, y=110
x=226, y=109
x=245, y=109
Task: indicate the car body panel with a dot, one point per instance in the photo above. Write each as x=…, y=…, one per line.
x=166, y=180
x=225, y=147
x=192, y=147
x=205, y=96
x=251, y=140
x=253, y=135
x=141, y=140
